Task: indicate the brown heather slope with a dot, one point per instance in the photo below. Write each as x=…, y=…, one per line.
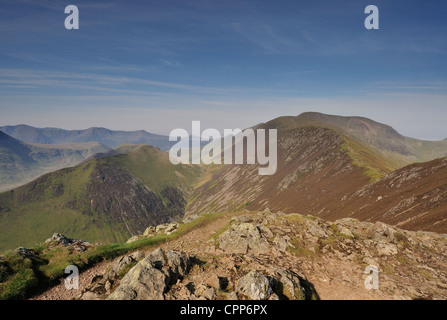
x=314, y=168
x=414, y=198
x=333, y=173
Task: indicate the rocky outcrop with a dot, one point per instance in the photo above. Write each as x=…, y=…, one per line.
x=60, y=240
x=282, y=284
x=57, y=240
x=161, y=229
x=162, y=275
x=411, y=264
x=242, y=238
x=102, y=285
x=153, y=276
x=24, y=252
x=268, y=255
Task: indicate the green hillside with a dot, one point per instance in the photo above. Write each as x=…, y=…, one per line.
x=106, y=199
x=371, y=144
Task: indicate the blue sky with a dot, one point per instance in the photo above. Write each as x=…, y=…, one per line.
x=157, y=65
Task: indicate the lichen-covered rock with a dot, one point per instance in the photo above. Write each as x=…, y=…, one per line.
x=254, y=286
x=242, y=238
x=152, y=277
x=122, y=262
x=381, y=232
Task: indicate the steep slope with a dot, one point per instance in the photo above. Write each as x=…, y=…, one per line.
x=414, y=198
x=107, y=199
x=385, y=140
x=22, y=162
x=324, y=160
x=314, y=168
x=109, y=138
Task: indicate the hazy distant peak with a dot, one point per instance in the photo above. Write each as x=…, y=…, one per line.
x=106, y=137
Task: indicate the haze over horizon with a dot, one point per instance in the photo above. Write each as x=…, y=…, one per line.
x=157, y=65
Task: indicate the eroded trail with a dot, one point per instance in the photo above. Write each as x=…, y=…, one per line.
x=325, y=260
x=188, y=242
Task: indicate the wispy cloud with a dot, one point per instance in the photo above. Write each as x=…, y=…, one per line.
x=90, y=81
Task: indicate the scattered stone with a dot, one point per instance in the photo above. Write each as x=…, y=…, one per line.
x=231, y=296
x=386, y=249
x=203, y=291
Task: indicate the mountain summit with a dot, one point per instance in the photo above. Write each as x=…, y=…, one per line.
x=385, y=140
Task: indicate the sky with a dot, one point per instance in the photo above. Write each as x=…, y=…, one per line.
x=158, y=65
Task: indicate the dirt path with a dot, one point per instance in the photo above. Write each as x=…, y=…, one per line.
x=59, y=292
x=188, y=242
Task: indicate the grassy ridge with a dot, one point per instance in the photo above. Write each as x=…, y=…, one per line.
x=57, y=202
x=376, y=165
x=38, y=210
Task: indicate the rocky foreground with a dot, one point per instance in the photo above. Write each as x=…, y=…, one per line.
x=268, y=255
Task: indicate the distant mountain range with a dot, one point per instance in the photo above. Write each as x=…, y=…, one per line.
x=106, y=137
x=22, y=162
x=27, y=152
x=328, y=166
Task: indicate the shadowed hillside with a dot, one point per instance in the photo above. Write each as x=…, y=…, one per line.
x=107, y=199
